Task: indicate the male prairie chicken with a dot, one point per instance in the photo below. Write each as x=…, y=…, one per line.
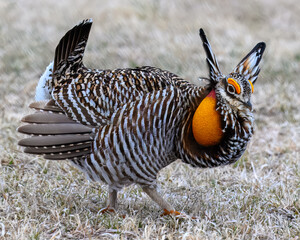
x=123, y=126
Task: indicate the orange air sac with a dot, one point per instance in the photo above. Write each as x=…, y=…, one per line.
x=206, y=124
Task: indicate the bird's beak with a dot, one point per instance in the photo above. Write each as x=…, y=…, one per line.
x=249, y=105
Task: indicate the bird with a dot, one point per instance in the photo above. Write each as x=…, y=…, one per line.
x=122, y=126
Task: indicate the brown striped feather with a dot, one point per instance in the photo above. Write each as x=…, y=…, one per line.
x=70, y=41
x=123, y=126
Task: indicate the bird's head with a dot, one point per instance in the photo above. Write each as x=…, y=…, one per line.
x=237, y=87
x=228, y=105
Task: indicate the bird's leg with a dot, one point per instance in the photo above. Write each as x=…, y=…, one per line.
x=111, y=201
x=155, y=196
x=112, y=198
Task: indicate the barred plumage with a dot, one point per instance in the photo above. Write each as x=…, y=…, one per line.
x=123, y=126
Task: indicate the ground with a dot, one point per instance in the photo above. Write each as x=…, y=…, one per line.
x=255, y=198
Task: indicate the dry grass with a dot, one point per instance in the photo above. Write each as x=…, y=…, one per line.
x=256, y=198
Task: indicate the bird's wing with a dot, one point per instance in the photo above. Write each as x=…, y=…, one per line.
x=92, y=96
x=147, y=123
x=141, y=130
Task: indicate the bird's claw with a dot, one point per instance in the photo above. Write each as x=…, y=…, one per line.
x=171, y=213
x=176, y=214
x=107, y=209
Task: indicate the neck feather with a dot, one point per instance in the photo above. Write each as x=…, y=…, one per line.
x=237, y=128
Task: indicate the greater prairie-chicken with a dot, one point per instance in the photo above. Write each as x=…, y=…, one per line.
x=123, y=126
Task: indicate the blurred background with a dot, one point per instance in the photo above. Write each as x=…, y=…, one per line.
x=129, y=33
x=159, y=33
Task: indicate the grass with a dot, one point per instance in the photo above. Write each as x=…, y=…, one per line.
x=255, y=198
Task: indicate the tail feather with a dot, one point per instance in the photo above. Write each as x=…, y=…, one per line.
x=54, y=135
x=72, y=44
x=44, y=87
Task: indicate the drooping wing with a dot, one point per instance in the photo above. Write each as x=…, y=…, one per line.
x=133, y=126
x=54, y=135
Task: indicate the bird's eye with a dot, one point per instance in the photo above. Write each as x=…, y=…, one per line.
x=233, y=86
x=230, y=89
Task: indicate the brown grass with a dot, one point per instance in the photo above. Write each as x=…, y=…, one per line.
x=256, y=198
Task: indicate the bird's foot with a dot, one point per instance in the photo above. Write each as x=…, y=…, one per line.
x=107, y=209
x=176, y=214
x=171, y=213
x=110, y=210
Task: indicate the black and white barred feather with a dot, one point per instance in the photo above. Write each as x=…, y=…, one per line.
x=123, y=126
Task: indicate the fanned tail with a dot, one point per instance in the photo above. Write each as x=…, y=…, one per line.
x=69, y=53
x=54, y=135
x=44, y=87
x=71, y=47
